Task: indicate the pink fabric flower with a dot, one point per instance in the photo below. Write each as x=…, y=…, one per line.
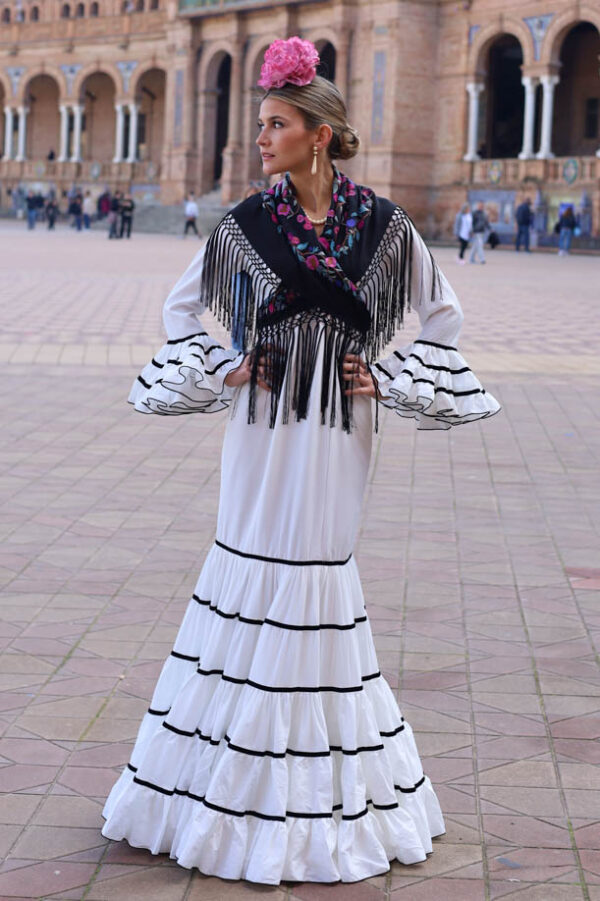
x=293, y=61
x=312, y=262
x=293, y=239
x=331, y=262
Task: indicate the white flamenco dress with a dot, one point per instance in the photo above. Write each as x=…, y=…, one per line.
x=273, y=749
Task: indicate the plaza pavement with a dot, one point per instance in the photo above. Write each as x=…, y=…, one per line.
x=479, y=553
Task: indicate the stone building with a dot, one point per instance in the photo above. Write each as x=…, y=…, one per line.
x=454, y=99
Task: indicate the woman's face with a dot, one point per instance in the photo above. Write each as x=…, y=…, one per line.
x=285, y=144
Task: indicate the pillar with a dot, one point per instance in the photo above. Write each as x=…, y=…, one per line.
x=530, y=84
x=119, y=131
x=8, y=132
x=474, y=89
x=231, y=179
x=549, y=82
x=133, y=132
x=22, y=133
x=63, y=153
x=76, y=148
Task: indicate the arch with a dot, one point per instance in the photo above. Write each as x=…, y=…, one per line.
x=34, y=14
x=577, y=97
x=65, y=11
x=94, y=10
x=139, y=6
x=42, y=96
x=97, y=93
x=6, y=15
x=105, y=67
x=484, y=39
x=559, y=29
x=80, y=11
x=139, y=72
x=503, y=101
x=328, y=54
x=254, y=58
x=214, y=79
x=153, y=4
x=150, y=95
x=43, y=69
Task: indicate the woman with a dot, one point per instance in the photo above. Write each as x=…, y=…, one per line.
x=566, y=228
x=273, y=749
x=463, y=228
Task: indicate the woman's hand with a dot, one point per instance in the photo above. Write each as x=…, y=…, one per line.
x=356, y=373
x=243, y=373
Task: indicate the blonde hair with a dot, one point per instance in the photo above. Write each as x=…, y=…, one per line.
x=321, y=103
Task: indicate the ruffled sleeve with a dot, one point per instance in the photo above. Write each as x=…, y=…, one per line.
x=429, y=380
x=188, y=373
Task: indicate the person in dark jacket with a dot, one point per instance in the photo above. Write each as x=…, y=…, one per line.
x=481, y=225
x=113, y=214
x=566, y=227
x=127, y=208
x=31, y=205
x=51, y=213
x=524, y=217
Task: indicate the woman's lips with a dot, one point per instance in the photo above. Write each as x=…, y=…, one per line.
x=268, y=156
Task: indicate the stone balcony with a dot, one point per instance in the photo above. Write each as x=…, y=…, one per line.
x=210, y=7
x=571, y=171
x=88, y=172
x=19, y=35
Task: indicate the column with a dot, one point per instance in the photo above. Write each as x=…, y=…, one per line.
x=549, y=82
x=64, y=133
x=77, y=117
x=22, y=133
x=231, y=179
x=133, y=132
x=474, y=89
x=8, y=132
x=530, y=84
x=119, y=131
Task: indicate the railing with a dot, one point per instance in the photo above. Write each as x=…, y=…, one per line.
x=67, y=30
x=574, y=170
x=89, y=171
x=208, y=7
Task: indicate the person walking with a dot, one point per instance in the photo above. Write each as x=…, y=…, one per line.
x=481, y=225
x=113, y=214
x=463, y=227
x=76, y=210
x=32, y=208
x=51, y=212
x=127, y=208
x=89, y=208
x=191, y=214
x=273, y=747
x=566, y=226
x=524, y=218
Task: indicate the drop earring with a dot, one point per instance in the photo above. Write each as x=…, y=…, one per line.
x=313, y=168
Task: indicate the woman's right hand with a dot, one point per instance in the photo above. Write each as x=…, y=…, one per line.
x=243, y=374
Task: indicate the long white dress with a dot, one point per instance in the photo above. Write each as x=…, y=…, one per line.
x=273, y=749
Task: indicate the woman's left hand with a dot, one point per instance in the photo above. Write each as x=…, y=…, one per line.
x=357, y=374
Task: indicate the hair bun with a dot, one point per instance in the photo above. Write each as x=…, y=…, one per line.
x=345, y=144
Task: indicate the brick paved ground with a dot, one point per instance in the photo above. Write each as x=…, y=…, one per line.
x=478, y=552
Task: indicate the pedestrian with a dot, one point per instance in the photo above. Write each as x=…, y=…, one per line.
x=127, y=208
x=566, y=228
x=113, y=214
x=89, y=208
x=463, y=226
x=191, y=214
x=31, y=207
x=274, y=748
x=51, y=212
x=103, y=204
x=76, y=210
x=524, y=217
x=481, y=225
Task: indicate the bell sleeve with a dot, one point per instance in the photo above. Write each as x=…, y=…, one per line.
x=429, y=380
x=188, y=373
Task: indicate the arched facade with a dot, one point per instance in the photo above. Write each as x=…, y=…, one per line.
x=41, y=96
x=97, y=95
x=149, y=93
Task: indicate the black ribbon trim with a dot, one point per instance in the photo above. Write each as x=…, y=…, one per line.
x=185, y=657
x=292, y=814
x=435, y=344
x=287, y=689
x=217, y=367
x=187, y=338
x=143, y=382
x=273, y=622
x=232, y=550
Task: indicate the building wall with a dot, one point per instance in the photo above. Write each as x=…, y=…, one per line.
x=403, y=65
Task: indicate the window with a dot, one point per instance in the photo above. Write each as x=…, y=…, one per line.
x=153, y=4
x=34, y=14
x=80, y=11
x=65, y=12
x=592, y=109
x=94, y=10
x=139, y=6
x=6, y=14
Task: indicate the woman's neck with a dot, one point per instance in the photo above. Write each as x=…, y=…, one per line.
x=313, y=192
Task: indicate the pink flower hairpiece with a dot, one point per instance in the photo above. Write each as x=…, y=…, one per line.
x=289, y=62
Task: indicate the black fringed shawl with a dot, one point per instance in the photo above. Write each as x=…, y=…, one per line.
x=282, y=292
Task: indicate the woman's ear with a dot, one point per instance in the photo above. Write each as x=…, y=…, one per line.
x=324, y=136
